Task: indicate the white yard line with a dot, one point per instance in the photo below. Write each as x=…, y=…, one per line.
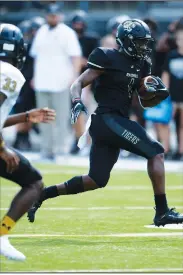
x=102, y=208
x=167, y=226
x=114, y=270
x=120, y=235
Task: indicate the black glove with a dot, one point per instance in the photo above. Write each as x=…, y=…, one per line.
x=161, y=90
x=77, y=108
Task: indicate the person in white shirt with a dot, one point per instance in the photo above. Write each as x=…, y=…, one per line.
x=57, y=56
x=13, y=166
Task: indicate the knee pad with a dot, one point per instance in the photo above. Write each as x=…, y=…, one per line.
x=74, y=185
x=100, y=180
x=157, y=149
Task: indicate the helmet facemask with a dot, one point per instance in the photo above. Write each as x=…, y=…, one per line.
x=142, y=47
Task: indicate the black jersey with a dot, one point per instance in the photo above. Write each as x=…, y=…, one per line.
x=122, y=74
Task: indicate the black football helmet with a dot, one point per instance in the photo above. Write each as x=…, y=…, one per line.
x=12, y=46
x=133, y=37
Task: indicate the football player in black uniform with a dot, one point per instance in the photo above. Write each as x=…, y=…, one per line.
x=117, y=74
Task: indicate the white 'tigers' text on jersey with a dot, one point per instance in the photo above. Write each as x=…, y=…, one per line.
x=11, y=82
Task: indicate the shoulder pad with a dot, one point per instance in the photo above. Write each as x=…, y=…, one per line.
x=98, y=59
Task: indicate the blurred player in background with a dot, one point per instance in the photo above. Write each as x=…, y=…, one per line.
x=117, y=74
x=164, y=45
x=109, y=40
x=57, y=62
x=13, y=166
x=88, y=42
x=27, y=100
x=173, y=78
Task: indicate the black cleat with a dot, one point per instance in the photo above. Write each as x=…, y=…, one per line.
x=170, y=217
x=32, y=211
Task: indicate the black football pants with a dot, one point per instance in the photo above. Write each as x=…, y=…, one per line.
x=110, y=133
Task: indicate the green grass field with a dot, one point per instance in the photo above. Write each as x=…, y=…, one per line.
x=87, y=231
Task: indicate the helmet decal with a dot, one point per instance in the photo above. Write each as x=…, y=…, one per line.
x=129, y=25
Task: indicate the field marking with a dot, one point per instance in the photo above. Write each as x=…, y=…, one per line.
x=119, y=235
x=93, y=208
x=114, y=270
x=167, y=226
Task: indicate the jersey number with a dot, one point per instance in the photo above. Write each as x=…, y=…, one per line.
x=10, y=85
x=130, y=87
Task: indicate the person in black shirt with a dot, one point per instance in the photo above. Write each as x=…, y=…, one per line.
x=88, y=42
x=173, y=78
x=117, y=74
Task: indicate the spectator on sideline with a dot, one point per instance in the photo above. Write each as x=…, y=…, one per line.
x=173, y=78
x=26, y=100
x=88, y=42
x=57, y=55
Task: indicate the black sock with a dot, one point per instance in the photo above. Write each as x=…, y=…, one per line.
x=161, y=204
x=49, y=192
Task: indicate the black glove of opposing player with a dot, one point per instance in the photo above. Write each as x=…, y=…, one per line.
x=77, y=108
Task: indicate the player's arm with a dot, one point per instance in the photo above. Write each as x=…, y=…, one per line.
x=44, y=115
x=86, y=78
x=161, y=90
x=160, y=96
x=151, y=102
x=97, y=62
x=161, y=93
x=82, y=81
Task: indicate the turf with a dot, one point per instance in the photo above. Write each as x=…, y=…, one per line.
x=84, y=223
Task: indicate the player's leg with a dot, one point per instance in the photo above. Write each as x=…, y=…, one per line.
x=130, y=136
x=31, y=182
x=102, y=159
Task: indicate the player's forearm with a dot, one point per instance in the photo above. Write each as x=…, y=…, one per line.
x=84, y=80
x=154, y=101
x=16, y=119
x=76, y=89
